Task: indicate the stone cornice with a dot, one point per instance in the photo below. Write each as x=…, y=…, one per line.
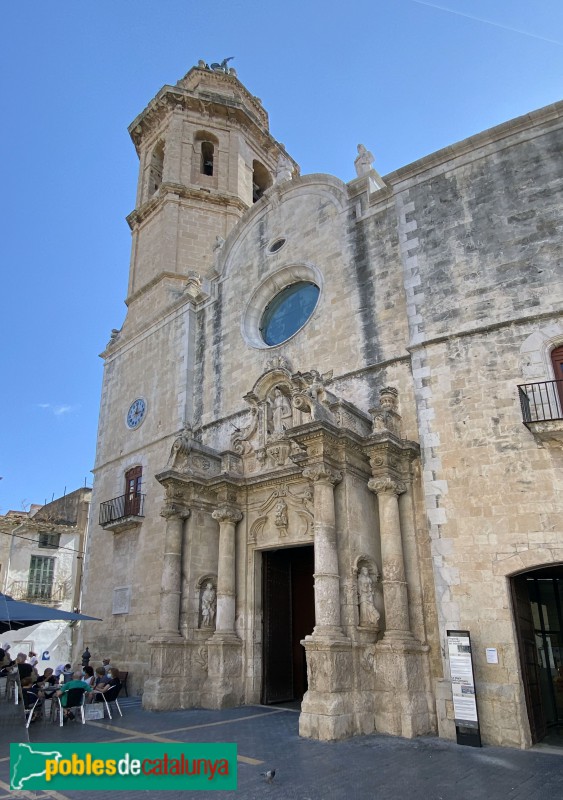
x=249, y=115
x=173, y=192
x=527, y=122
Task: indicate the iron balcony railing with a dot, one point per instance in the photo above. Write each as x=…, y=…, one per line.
x=541, y=401
x=38, y=591
x=128, y=505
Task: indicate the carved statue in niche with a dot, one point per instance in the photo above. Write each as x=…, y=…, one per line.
x=281, y=412
x=369, y=615
x=208, y=604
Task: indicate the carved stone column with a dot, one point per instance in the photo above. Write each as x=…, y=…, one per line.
x=167, y=647
x=395, y=595
x=327, y=578
x=171, y=581
x=227, y=517
x=404, y=704
x=223, y=687
x=327, y=711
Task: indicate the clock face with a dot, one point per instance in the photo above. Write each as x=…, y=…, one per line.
x=136, y=413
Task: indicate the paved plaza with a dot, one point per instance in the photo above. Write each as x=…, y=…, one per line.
x=357, y=769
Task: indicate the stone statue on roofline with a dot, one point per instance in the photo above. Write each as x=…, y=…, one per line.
x=363, y=161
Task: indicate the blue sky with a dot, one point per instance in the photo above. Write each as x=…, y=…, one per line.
x=404, y=77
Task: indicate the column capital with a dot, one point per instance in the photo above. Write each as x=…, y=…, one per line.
x=171, y=510
x=227, y=514
x=387, y=485
x=321, y=473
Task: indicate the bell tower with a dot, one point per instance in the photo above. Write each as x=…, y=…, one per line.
x=206, y=154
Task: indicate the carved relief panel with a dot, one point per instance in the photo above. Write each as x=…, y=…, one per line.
x=283, y=514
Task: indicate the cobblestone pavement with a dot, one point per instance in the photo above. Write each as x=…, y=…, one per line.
x=361, y=768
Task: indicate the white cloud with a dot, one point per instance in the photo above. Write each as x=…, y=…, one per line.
x=58, y=410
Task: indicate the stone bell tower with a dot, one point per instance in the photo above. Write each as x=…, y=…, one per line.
x=206, y=154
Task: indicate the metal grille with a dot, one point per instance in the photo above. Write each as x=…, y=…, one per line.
x=541, y=401
x=128, y=505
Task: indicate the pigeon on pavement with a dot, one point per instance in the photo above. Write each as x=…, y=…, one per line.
x=269, y=775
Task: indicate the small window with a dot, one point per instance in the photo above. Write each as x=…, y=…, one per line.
x=207, y=153
x=40, y=580
x=49, y=540
x=277, y=245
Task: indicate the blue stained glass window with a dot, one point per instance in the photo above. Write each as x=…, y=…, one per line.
x=288, y=311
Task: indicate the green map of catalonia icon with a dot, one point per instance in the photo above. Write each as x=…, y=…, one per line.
x=27, y=763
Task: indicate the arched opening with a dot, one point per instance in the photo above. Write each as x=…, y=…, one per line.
x=537, y=598
x=261, y=180
x=156, y=168
x=207, y=153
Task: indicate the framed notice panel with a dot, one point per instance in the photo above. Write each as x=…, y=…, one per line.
x=463, y=688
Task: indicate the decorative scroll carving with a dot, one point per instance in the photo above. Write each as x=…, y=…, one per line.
x=278, y=362
x=201, y=659
x=171, y=510
x=386, y=485
x=227, y=514
x=240, y=439
x=180, y=450
x=320, y=472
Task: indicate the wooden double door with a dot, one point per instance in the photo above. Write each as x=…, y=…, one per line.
x=537, y=598
x=288, y=604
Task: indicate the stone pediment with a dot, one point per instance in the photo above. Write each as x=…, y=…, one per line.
x=282, y=401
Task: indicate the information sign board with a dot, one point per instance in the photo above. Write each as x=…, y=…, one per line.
x=463, y=688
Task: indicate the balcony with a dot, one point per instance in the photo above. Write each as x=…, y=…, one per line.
x=122, y=512
x=34, y=592
x=542, y=409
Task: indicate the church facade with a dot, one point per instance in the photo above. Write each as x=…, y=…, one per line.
x=330, y=427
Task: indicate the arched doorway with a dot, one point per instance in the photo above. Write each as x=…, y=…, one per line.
x=537, y=598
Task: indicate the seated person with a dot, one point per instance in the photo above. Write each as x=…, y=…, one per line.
x=88, y=675
x=47, y=682
x=25, y=669
x=7, y=658
x=100, y=678
x=29, y=697
x=48, y=677
x=111, y=683
x=75, y=683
